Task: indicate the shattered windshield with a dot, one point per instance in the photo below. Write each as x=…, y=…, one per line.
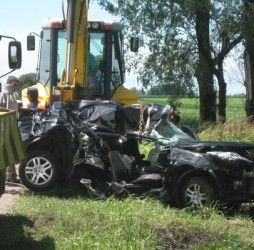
x=167, y=132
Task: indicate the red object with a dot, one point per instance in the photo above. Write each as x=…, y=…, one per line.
x=174, y=116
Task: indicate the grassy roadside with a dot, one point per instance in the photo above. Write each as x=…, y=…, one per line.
x=52, y=222
x=230, y=131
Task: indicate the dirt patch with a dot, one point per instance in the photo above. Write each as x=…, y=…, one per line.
x=12, y=192
x=181, y=238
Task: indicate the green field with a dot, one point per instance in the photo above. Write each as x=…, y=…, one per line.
x=189, y=108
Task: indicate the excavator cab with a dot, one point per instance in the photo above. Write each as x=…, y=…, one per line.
x=82, y=63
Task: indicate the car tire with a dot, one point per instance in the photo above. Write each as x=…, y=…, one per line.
x=40, y=171
x=197, y=191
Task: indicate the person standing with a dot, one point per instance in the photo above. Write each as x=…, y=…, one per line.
x=11, y=103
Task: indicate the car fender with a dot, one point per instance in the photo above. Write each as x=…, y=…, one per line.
x=59, y=141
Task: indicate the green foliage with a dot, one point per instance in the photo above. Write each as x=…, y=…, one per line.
x=139, y=91
x=165, y=89
x=157, y=23
x=28, y=79
x=185, y=43
x=168, y=31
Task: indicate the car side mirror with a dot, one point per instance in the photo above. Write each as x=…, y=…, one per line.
x=30, y=42
x=15, y=55
x=134, y=44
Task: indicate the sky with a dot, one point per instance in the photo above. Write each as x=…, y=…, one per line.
x=18, y=18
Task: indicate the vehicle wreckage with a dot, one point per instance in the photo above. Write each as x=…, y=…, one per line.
x=96, y=144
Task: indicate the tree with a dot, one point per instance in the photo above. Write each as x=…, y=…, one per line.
x=188, y=41
x=26, y=80
x=162, y=89
x=139, y=91
x=248, y=33
x=207, y=94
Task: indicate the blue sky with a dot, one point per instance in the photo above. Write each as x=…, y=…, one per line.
x=18, y=18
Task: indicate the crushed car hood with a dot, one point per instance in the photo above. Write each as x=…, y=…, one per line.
x=216, y=146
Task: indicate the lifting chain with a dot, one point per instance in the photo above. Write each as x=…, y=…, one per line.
x=141, y=120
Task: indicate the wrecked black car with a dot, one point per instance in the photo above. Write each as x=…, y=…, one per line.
x=97, y=143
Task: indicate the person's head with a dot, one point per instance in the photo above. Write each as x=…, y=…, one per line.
x=32, y=94
x=14, y=81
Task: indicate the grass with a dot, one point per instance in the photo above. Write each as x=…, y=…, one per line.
x=189, y=108
x=232, y=130
x=55, y=222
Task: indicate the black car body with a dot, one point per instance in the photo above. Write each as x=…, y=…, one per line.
x=193, y=172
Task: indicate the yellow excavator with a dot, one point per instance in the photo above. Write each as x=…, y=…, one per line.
x=80, y=59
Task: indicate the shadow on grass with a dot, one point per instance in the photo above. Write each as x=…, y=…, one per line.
x=14, y=236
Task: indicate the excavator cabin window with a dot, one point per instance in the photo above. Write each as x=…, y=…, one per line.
x=44, y=64
x=95, y=63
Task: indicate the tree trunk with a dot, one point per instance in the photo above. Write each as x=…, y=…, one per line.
x=222, y=93
x=204, y=74
x=207, y=96
x=249, y=81
x=249, y=55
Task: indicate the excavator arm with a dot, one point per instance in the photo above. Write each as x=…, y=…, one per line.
x=75, y=68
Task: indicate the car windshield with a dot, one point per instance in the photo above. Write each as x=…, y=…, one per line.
x=166, y=132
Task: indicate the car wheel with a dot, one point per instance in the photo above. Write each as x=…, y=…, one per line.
x=197, y=191
x=40, y=171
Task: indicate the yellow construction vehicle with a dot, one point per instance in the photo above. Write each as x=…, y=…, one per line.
x=80, y=59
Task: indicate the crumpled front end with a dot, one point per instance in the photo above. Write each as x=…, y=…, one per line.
x=236, y=173
x=231, y=174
